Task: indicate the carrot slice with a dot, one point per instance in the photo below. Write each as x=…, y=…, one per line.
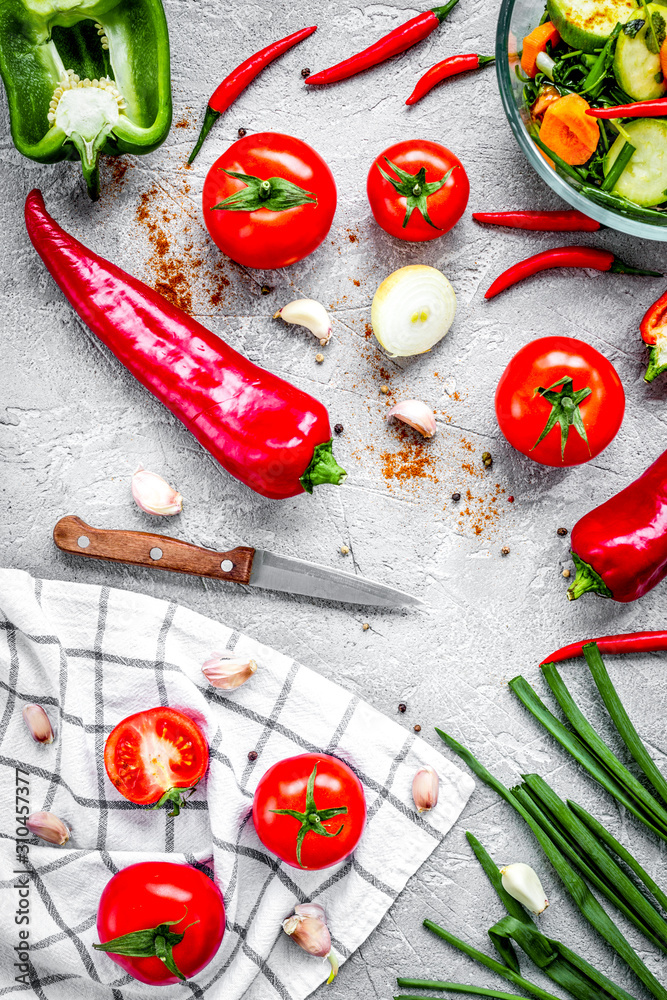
x=536, y=42
x=663, y=58
x=546, y=96
x=568, y=131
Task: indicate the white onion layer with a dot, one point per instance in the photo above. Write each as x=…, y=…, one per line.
x=412, y=310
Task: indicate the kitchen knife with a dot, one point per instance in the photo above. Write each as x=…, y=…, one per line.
x=256, y=567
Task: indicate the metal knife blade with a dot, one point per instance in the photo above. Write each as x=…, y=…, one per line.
x=296, y=576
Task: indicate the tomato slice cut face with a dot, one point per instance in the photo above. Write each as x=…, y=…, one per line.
x=154, y=756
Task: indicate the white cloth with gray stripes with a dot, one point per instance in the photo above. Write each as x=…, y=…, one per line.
x=93, y=655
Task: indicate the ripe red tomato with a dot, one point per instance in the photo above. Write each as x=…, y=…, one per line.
x=145, y=898
x=310, y=810
x=155, y=756
x=302, y=192
x=410, y=187
x=564, y=383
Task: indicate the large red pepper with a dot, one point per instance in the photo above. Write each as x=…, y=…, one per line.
x=237, y=81
x=272, y=436
x=653, y=329
x=620, y=547
x=442, y=70
x=600, y=260
x=404, y=37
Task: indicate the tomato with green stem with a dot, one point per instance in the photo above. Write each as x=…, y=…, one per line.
x=269, y=200
x=417, y=189
x=559, y=401
x=156, y=757
x=161, y=922
x=310, y=810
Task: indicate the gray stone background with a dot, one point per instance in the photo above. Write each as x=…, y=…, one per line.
x=74, y=426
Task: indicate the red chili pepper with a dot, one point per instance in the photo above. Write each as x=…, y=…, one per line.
x=653, y=329
x=404, y=37
x=239, y=78
x=444, y=69
x=272, y=436
x=638, y=109
x=628, y=642
x=600, y=260
x=620, y=547
x=544, y=222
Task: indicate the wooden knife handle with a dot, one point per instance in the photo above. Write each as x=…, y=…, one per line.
x=142, y=548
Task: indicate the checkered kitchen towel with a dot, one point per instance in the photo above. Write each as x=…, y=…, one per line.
x=93, y=655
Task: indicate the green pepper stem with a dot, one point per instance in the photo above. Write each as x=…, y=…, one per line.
x=586, y=580
x=657, y=364
x=483, y=60
x=442, y=12
x=323, y=468
x=210, y=118
x=620, y=267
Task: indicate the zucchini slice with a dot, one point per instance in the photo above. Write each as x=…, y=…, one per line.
x=644, y=180
x=637, y=60
x=587, y=24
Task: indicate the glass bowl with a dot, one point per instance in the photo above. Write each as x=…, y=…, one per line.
x=517, y=18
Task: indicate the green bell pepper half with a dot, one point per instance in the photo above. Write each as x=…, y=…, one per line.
x=123, y=43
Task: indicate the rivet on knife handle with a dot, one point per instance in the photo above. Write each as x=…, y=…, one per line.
x=142, y=548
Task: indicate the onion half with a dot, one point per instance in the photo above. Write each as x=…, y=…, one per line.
x=412, y=310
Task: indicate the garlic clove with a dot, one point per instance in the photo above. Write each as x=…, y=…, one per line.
x=311, y=910
x=523, y=883
x=308, y=313
x=415, y=413
x=154, y=495
x=228, y=670
x=48, y=827
x=312, y=934
x=38, y=723
x=425, y=786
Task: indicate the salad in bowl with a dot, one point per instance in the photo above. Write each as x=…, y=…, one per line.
x=584, y=83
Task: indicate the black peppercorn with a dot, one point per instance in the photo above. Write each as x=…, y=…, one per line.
x=266, y=289
x=338, y=428
x=456, y=497
x=402, y=707
x=253, y=755
x=417, y=728
x=562, y=532
x=242, y=132
x=305, y=72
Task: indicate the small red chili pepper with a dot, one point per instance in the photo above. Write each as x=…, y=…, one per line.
x=638, y=109
x=444, y=69
x=239, y=78
x=544, y=222
x=270, y=435
x=600, y=260
x=653, y=329
x=620, y=547
x=404, y=37
x=627, y=642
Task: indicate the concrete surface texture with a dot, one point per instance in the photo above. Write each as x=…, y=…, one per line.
x=74, y=426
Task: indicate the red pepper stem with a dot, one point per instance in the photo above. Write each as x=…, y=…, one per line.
x=210, y=118
x=586, y=580
x=620, y=267
x=323, y=469
x=442, y=12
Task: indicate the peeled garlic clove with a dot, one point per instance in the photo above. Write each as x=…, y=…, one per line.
x=228, y=670
x=48, y=827
x=154, y=495
x=312, y=934
x=415, y=413
x=425, y=785
x=523, y=883
x=38, y=723
x=308, y=313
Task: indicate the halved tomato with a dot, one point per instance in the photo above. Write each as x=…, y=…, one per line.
x=155, y=756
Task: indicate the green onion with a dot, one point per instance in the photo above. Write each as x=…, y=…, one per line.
x=565, y=167
x=600, y=831
x=565, y=845
x=599, y=71
x=575, y=885
x=478, y=991
x=577, y=977
x=618, y=166
x=581, y=753
x=598, y=856
x=597, y=745
x=621, y=720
